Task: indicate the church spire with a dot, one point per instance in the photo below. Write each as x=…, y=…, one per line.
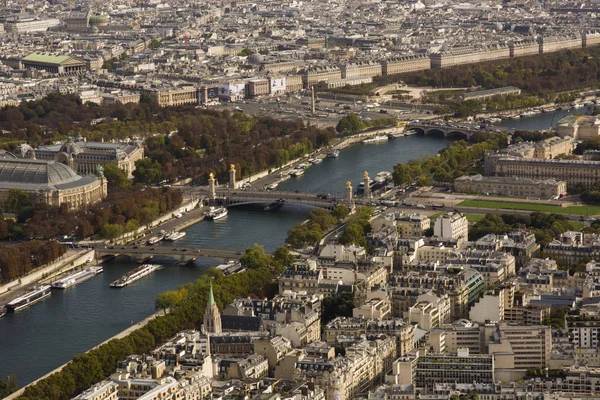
x=211, y=297
x=212, y=316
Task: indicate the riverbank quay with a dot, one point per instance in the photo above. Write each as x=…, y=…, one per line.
x=100, y=362
x=71, y=260
x=119, y=335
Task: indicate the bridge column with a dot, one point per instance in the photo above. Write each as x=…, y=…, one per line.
x=232, y=176
x=349, y=199
x=211, y=186
x=367, y=192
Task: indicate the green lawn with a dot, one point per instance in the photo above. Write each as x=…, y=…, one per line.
x=397, y=92
x=434, y=216
x=474, y=217
x=505, y=205
x=576, y=225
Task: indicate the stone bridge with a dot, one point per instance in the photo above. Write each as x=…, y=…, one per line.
x=231, y=197
x=183, y=254
x=448, y=129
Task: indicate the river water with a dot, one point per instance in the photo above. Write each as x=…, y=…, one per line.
x=541, y=121
x=48, y=334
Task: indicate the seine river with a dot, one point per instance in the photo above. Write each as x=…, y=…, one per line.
x=48, y=334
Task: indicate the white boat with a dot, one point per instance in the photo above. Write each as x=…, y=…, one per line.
x=36, y=294
x=383, y=176
x=333, y=154
x=216, y=213
x=231, y=267
x=76, y=278
x=297, y=172
x=395, y=135
x=410, y=132
x=134, y=275
x=173, y=236
x=272, y=186
x=530, y=113
x=155, y=239
x=316, y=161
x=376, y=139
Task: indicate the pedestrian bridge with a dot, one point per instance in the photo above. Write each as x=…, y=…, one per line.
x=183, y=254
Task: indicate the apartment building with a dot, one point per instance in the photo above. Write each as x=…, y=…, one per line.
x=519, y=347
x=425, y=314
x=526, y=47
x=468, y=55
x=278, y=67
x=24, y=23
x=493, y=266
x=294, y=83
x=357, y=327
x=403, y=64
x=423, y=371
x=590, y=39
x=526, y=315
x=585, y=332
x=312, y=76
x=462, y=288
x=515, y=347
x=488, y=308
x=360, y=69
x=273, y=350
x=549, y=44
x=343, y=378
x=194, y=386
x=451, y=225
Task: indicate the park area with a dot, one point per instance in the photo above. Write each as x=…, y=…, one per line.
x=506, y=205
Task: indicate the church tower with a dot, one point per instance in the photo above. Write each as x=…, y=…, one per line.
x=212, y=317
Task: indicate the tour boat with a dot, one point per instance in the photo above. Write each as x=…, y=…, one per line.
x=134, y=275
x=77, y=277
x=155, y=239
x=33, y=296
x=173, y=236
x=216, y=213
x=376, y=139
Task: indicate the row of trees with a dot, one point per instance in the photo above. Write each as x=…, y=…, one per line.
x=462, y=109
x=352, y=124
x=539, y=75
x=121, y=212
x=17, y=261
x=545, y=227
x=186, y=141
x=319, y=221
x=357, y=227
x=86, y=369
x=451, y=162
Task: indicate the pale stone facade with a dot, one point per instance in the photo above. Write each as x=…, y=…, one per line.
x=510, y=186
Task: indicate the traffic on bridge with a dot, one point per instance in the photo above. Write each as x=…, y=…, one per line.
x=181, y=253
